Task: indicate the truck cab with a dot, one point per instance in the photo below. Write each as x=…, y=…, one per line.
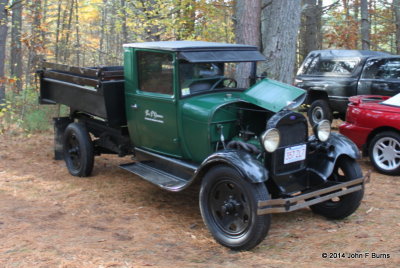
x=174, y=88
x=177, y=109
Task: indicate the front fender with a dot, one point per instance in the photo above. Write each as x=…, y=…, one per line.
x=323, y=160
x=248, y=167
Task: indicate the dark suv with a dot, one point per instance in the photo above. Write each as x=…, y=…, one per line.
x=331, y=76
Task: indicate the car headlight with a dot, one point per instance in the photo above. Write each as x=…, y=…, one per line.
x=271, y=139
x=323, y=130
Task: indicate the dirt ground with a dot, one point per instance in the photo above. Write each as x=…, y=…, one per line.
x=115, y=219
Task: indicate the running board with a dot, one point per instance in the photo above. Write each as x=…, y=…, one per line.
x=156, y=176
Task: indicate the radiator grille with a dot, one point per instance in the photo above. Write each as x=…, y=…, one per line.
x=293, y=132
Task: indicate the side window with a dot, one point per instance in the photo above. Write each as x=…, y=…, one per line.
x=155, y=71
x=332, y=67
x=371, y=68
x=382, y=69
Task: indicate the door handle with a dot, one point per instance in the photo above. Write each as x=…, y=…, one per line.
x=134, y=106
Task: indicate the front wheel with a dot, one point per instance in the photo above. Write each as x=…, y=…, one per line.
x=346, y=169
x=384, y=152
x=228, y=205
x=318, y=111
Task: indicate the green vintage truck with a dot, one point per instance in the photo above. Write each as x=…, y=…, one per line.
x=176, y=109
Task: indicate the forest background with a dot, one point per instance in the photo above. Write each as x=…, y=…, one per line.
x=91, y=33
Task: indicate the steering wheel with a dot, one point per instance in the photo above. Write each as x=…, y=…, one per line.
x=226, y=81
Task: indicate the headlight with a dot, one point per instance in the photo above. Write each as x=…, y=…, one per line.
x=270, y=139
x=323, y=130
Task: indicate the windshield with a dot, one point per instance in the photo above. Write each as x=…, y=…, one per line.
x=329, y=67
x=204, y=77
x=393, y=101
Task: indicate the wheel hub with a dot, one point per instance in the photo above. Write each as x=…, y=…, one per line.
x=317, y=114
x=386, y=153
x=231, y=206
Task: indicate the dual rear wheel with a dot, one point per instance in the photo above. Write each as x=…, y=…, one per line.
x=78, y=150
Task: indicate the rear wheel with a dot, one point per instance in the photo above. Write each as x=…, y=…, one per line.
x=384, y=152
x=78, y=150
x=318, y=111
x=228, y=205
x=346, y=169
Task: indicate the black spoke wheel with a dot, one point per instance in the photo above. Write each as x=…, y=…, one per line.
x=78, y=150
x=228, y=205
x=346, y=169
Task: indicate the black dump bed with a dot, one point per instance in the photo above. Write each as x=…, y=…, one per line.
x=97, y=91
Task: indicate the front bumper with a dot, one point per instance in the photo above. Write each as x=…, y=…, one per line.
x=282, y=205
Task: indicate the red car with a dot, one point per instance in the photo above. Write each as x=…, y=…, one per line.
x=373, y=124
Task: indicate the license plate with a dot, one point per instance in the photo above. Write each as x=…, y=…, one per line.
x=294, y=154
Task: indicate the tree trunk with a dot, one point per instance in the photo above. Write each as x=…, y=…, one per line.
x=310, y=31
x=68, y=33
x=16, y=45
x=124, y=22
x=59, y=23
x=77, y=43
x=3, y=40
x=35, y=42
x=365, y=26
x=356, y=11
x=396, y=8
x=279, y=30
x=103, y=25
x=247, y=29
x=187, y=14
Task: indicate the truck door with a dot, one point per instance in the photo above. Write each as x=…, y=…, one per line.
x=380, y=77
x=151, y=105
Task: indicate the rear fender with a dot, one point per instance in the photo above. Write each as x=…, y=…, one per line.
x=248, y=167
x=323, y=160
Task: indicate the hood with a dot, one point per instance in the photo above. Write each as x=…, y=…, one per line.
x=201, y=108
x=274, y=96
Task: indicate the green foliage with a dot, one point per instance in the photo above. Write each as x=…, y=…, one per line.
x=22, y=113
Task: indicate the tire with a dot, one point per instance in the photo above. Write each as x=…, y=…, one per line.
x=228, y=205
x=384, y=152
x=78, y=150
x=318, y=111
x=346, y=169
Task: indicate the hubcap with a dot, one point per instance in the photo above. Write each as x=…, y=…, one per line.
x=386, y=153
x=317, y=114
x=230, y=207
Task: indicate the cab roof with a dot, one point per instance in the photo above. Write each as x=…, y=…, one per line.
x=348, y=53
x=190, y=46
x=201, y=51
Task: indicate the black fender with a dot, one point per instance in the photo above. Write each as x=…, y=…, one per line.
x=248, y=167
x=323, y=160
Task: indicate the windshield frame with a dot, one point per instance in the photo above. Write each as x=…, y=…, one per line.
x=184, y=92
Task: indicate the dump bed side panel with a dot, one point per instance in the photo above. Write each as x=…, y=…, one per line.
x=101, y=95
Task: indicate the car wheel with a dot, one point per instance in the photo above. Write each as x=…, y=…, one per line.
x=228, y=205
x=384, y=152
x=318, y=111
x=346, y=169
x=78, y=150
